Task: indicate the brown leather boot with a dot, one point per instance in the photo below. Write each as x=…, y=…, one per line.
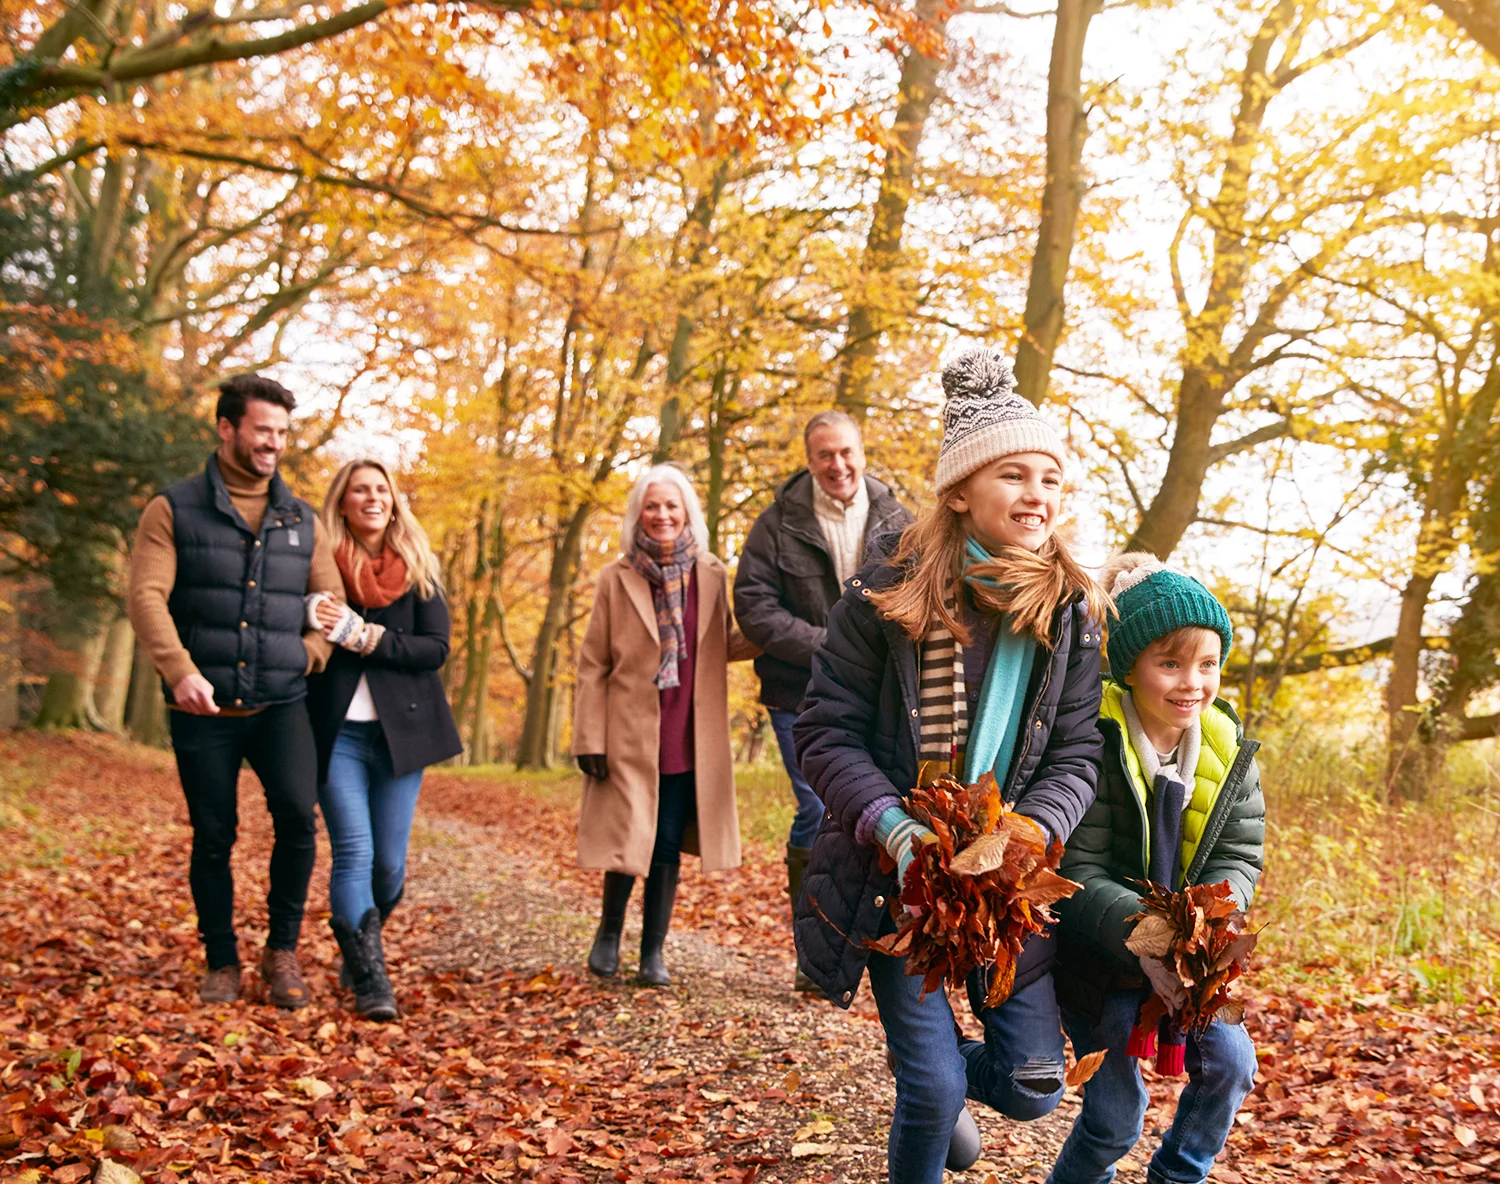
x=221, y=985
x=283, y=972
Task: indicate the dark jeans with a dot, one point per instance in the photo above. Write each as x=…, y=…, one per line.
x=278, y=743
x=676, y=806
x=808, y=819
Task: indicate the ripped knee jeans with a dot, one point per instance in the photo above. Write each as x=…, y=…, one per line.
x=1017, y=1069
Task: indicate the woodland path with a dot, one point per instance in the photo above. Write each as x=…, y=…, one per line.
x=510, y=1062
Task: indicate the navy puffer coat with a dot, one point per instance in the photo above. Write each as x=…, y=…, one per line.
x=857, y=741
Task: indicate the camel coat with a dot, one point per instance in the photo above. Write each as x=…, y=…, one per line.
x=617, y=711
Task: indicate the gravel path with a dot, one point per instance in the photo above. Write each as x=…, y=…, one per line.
x=728, y=1011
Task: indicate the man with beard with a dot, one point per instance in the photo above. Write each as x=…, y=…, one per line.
x=221, y=564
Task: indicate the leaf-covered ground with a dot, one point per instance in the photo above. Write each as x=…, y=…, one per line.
x=510, y=1063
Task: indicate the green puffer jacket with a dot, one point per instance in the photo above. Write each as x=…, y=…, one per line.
x=1223, y=838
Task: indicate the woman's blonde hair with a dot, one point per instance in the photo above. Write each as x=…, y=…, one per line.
x=403, y=535
x=1029, y=585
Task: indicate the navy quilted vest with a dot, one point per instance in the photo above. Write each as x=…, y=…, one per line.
x=237, y=600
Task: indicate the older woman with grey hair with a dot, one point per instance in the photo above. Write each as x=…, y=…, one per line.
x=651, y=717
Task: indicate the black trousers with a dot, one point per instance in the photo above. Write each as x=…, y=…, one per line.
x=278, y=743
x=676, y=806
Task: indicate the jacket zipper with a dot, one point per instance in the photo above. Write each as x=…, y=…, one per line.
x=1234, y=783
x=1041, y=694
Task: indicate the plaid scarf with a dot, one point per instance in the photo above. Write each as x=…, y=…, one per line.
x=667, y=567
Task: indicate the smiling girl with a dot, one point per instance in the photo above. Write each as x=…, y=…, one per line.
x=973, y=649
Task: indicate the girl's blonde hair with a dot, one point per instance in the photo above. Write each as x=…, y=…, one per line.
x=403, y=535
x=1029, y=585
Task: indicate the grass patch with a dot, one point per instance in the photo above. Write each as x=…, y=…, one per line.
x=767, y=803
x=1358, y=884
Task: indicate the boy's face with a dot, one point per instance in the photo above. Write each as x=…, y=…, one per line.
x=1175, y=679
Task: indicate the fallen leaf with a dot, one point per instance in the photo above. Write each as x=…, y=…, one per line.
x=1465, y=1135
x=1084, y=1068
x=803, y=1150
x=313, y=1088
x=791, y=1081
x=111, y=1172
x=821, y=1127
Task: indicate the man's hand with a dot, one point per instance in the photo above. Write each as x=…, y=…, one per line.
x=195, y=694
x=594, y=765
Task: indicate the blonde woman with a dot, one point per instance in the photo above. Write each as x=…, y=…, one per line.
x=379, y=712
x=651, y=718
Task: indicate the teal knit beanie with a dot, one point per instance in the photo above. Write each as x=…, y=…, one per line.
x=1152, y=600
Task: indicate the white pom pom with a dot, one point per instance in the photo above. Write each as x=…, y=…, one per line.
x=978, y=374
x=1124, y=572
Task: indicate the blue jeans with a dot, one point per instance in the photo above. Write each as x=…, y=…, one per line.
x=809, y=817
x=1022, y=1047
x=1221, y=1072
x=368, y=810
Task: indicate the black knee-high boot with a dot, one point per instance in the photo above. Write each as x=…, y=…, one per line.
x=661, y=893
x=604, y=958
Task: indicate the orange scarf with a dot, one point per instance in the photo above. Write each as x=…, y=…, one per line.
x=372, y=581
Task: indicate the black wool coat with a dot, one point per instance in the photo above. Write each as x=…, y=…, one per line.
x=785, y=583
x=857, y=740
x=404, y=682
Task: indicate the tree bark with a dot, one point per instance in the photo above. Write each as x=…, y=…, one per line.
x=146, y=711
x=1067, y=129
x=112, y=686
x=535, y=748
x=1480, y=19
x=68, y=697
x=872, y=310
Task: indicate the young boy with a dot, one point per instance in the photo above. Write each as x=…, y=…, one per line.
x=1179, y=802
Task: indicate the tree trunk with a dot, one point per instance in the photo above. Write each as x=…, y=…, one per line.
x=68, y=697
x=1175, y=506
x=1480, y=19
x=1067, y=129
x=479, y=727
x=10, y=662
x=536, y=732
x=112, y=687
x=870, y=312
x=146, y=710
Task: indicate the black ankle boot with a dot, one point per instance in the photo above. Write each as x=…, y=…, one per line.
x=346, y=980
x=661, y=892
x=604, y=958
x=364, y=962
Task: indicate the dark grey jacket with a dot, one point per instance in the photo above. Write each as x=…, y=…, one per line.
x=857, y=740
x=785, y=584
x=237, y=599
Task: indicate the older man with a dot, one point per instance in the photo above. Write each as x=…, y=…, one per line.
x=801, y=550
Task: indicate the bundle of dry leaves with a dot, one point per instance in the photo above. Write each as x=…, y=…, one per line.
x=977, y=889
x=1192, y=945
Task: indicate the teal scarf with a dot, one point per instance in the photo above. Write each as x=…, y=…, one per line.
x=996, y=720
